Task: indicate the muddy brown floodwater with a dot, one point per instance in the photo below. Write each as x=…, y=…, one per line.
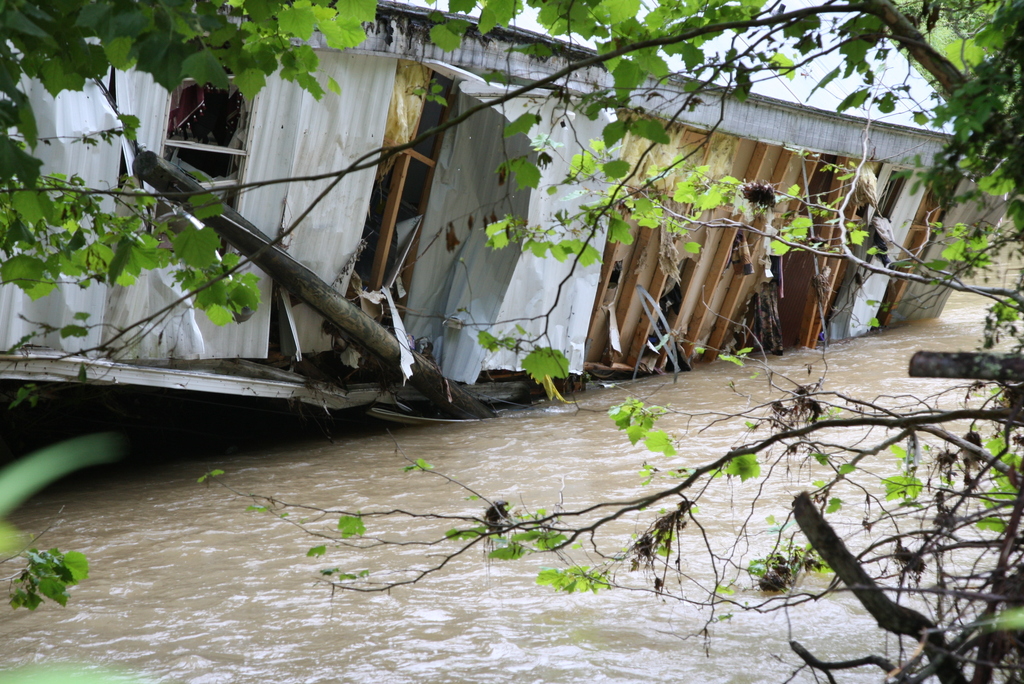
x=188, y=586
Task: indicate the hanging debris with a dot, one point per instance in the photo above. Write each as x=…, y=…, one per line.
x=760, y=195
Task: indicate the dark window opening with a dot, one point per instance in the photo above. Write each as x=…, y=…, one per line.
x=206, y=134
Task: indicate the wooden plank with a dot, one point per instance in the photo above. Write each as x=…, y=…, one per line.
x=598, y=335
x=655, y=287
x=723, y=324
x=387, y=227
x=685, y=279
x=813, y=313
x=714, y=274
x=410, y=264
x=627, y=285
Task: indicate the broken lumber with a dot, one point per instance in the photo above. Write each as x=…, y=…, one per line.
x=178, y=187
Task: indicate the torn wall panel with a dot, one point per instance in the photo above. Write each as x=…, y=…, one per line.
x=457, y=276
x=546, y=295
x=330, y=135
x=61, y=122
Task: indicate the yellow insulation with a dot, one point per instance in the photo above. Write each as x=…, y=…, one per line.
x=412, y=80
x=634, y=148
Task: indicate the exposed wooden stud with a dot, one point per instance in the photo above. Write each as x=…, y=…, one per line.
x=722, y=255
x=685, y=280
x=655, y=289
x=598, y=336
x=628, y=279
x=410, y=264
x=399, y=173
x=813, y=313
x=723, y=324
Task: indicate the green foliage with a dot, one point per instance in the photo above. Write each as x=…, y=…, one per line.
x=745, y=467
x=546, y=362
x=209, y=475
x=48, y=575
x=351, y=526
x=637, y=420
x=573, y=579
x=904, y=487
x=420, y=464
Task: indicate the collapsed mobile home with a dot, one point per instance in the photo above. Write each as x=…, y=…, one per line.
x=406, y=241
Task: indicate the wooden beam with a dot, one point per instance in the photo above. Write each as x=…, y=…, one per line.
x=387, y=226
x=410, y=263
x=598, y=336
x=685, y=279
x=727, y=310
x=629, y=277
x=654, y=288
x=718, y=263
x=813, y=313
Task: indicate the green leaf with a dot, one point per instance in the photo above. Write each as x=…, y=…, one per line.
x=651, y=129
x=25, y=477
x=316, y=551
x=779, y=248
x=445, y=38
x=619, y=231
x=746, y=466
x=341, y=32
x=512, y=551
x=546, y=362
x=692, y=247
x=197, y=248
x=847, y=468
x=357, y=10
x=991, y=524
x=33, y=206
x=616, y=169
x=659, y=441
x=526, y=172
x=857, y=236
x=73, y=331
x=620, y=10
x=783, y=64
x=204, y=68
x=834, y=504
x=77, y=564
x=297, y=20
x=905, y=487
x=522, y=125
x=613, y=132
x=218, y=315
x=250, y=82
x=23, y=270
x=351, y=526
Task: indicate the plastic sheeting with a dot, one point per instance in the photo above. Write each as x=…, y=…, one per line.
x=458, y=277
x=550, y=299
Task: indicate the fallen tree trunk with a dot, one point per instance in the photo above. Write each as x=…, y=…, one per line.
x=299, y=280
x=969, y=365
